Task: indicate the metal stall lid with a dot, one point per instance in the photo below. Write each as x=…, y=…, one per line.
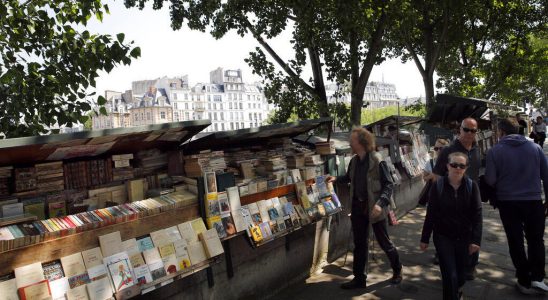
x=35, y=149
x=253, y=136
x=395, y=120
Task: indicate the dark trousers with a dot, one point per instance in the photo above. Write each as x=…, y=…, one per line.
x=453, y=255
x=540, y=138
x=360, y=231
x=519, y=217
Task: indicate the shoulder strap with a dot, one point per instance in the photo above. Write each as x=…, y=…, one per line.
x=469, y=184
x=439, y=186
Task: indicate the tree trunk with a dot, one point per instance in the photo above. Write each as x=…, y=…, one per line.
x=428, y=80
x=319, y=85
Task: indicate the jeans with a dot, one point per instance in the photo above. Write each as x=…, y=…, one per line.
x=453, y=255
x=360, y=231
x=519, y=217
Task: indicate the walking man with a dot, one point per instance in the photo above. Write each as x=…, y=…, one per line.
x=515, y=168
x=465, y=143
x=370, y=191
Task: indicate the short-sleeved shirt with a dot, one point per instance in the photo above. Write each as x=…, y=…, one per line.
x=474, y=159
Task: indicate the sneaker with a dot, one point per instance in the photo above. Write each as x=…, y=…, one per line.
x=539, y=286
x=354, y=284
x=525, y=290
x=396, y=278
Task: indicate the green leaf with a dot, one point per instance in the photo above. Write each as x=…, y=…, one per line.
x=135, y=52
x=101, y=100
x=103, y=111
x=120, y=37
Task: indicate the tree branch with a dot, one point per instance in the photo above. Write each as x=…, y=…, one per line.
x=441, y=42
x=374, y=50
x=277, y=58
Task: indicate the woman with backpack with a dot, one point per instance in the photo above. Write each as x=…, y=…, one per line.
x=454, y=215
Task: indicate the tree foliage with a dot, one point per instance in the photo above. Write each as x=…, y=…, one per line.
x=48, y=65
x=500, y=54
x=341, y=41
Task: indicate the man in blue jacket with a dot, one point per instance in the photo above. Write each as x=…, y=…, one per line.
x=515, y=168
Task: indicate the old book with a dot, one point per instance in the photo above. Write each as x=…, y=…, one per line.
x=233, y=198
x=256, y=234
x=135, y=190
x=159, y=237
x=170, y=264
x=263, y=210
x=181, y=252
x=228, y=224
x=57, y=209
x=262, y=185
x=38, y=290
x=173, y=233
x=92, y=257
x=217, y=223
x=302, y=194
x=212, y=243
x=151, y=255
x=12, y=210
x=9, y=290
x=110, y=243
x=120, y=270
x=223, y=203
x=59, y=288
x=145, y=243
x=255, y=213
x=53, y=270
x=73, y=264
x=166, y=250
x=157, y=270
x=212, y=205
x=29, y=274
x=187, y=232
x=196, y=252
x=78, y=293
x=198, y=225
x=210, y=181
x=142, y=274
x=100, y=289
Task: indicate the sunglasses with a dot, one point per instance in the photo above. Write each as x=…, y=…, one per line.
x=472, y=130
x=457, y=165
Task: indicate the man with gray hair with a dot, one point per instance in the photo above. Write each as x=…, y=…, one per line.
x=465, y=143
x=515, y=168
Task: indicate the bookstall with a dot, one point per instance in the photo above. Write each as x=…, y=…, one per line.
x=96, y=215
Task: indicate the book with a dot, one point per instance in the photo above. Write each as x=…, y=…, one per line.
x=255, y=214
x=120, y=270
x=145, y=243
x=78, y=280
x=38, y=290
x=159, y=237
x=57, y=209
x=92, y=257
x=263, y=210
x=228, y=224
x=29, y=274
x=130, y=246
x=170, y=264
x=233, y=198
x=256, y=233
x=53, y=270
x=198, y=226
x=166, y=250
x=78, y=293
x=12, y=210
x=302, y=194
x=173, y=233
x=196, y=252
x=135, y=190
x=59, y=288
x=73, y=264
x=217, y=223
x=210, y=182
x=213, y=206
x=238, y=218
x=110, y=243
x=223, y=203
x=187, y=232
x=157, y=270
x=181, y=253
x=212, y=243
x=151, y=255
x=9, y=290
x=99, y=289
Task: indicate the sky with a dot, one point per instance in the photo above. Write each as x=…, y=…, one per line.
x=165, y=52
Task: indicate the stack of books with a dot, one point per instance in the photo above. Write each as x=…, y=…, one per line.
x=206, y=161
x=150, y=161
x=50, y=177
x=325, y=148
x=83, y=174
x=5, y=175
x=313, y=160
x=25, y=179
x=274, y=163
x=122, y=167
x=295, y=161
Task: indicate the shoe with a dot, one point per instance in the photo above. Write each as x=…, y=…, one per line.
x=539, y=286
x=525, y=290
x=396, y=278
x=354, y=284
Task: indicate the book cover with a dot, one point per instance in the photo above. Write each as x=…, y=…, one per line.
x=302, y=214
x=212, y=243
x=302, y=194
x=142, y=275
x=196, y=252
x=228, y=224
x=181, y=252
x=78, y=280
x=239, y=222
x=59, y=288
x=78, y=293
x=296, y=175
x=29, y=274
x=36, y=208
x=273, y=213
x=288, y=222
x=9, y=290
x=281, y=225
x=254, y=213
x=53, y=270
x=217, y=224
x=173, y=233
x=166, y=250
x=120, y=272
x=100, y=289
x=97, y=272
x=263, y=210
x=12, y=210
x=170, y=264
x=198, y=226
x=187, y=232
x=213, y=205
x=110, y=243
x=244, y=190
x=136, y=259
x=73, y=264
x=256, y=233
x=159, y=237
x=130, y=246
x=157, y=270
x=57, y=209
x=145, y=243
x=262, y=185
x=210, y=182
x=223, y=203
x=288, y=209
x=233, y=198
x=266, y=232
x=38, y=290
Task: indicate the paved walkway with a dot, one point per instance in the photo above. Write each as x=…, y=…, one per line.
x=422, y=279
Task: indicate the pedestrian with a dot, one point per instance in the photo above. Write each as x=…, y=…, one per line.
x=465, y=143
x=522, y=124
x=438, y=146
x=539, y=130
x=515, y=168
x=454, y=215
x=371, y=190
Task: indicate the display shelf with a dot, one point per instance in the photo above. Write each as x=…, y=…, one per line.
x=276, y=192
x=63, y=246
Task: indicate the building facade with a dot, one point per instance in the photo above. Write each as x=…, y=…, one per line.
x=377, y=94
x=226, y=100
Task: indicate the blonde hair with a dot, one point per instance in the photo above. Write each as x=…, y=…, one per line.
x=443, y=142
x=365, y=138
x=458, y=154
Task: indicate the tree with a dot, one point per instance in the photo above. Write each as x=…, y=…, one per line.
x=341, y=40
x=501, y=54
x=48, y=65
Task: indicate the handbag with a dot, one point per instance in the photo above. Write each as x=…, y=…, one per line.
x=532, y=135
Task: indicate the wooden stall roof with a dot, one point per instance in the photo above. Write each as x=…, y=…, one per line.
x=30, y=150
x=257, y=135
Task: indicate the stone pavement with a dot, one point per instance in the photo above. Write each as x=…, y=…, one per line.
x=422, y=279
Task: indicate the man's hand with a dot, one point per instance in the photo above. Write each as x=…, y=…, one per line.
x=329, y=179
x=473, y=248
x=377, y=210
x=424, y=246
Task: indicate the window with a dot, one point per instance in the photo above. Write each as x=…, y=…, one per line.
x=186, y=105
x=193, y=97
x=162, y=115
x=222, y=115
x=216, y=127
x=231, y=115
x=209, y=106
x=148, y=115
x=187, y=116
x=136, y=116
x=241, y=105
x=208, y=97
x=231, y=126
x=250, y=116
x=215, y=118
x=186, y=96
x=240, y=96
x=249, y=105
x=174, y=96
x=242, y=117
x=230, y=105
x=237, y=125
x=248, y=97
x=208, y=90
x=223, y=126
x=175, y=105
x=176, y=116
x=220, y=104
x=209, y=114
x=229, y=96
